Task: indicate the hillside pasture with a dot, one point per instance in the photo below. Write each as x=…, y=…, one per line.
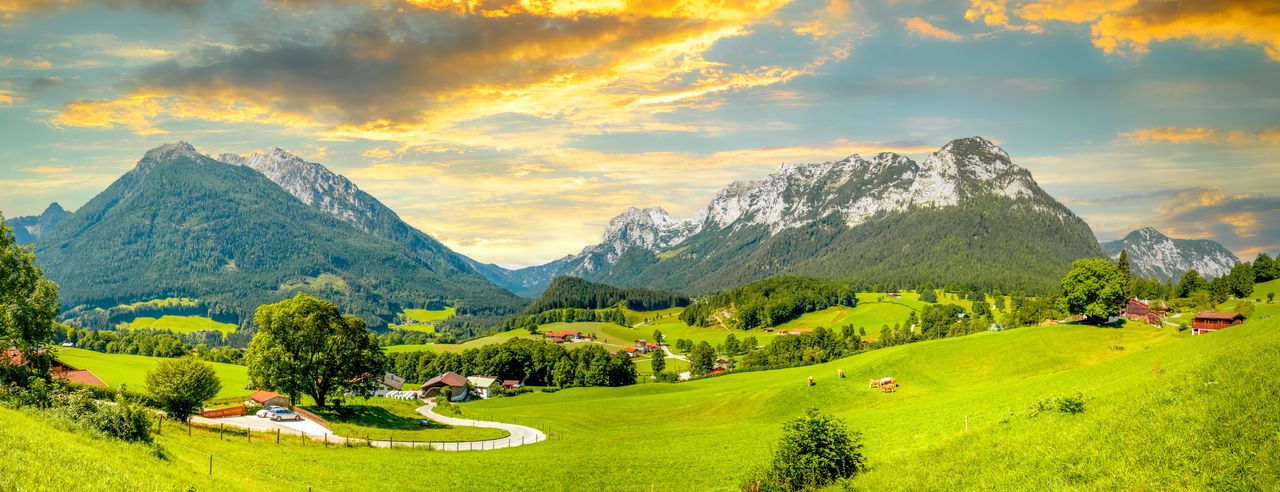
x=131, y=370
x=177, y=324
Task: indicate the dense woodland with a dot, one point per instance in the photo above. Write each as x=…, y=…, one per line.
x=768, y=302
x=573, y=292
x=533, y=362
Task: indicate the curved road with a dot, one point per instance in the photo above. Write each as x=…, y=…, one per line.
x=519, y=435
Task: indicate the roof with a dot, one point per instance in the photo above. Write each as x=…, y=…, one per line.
x=261, y=396
x=482, y=381
x=392, y=381
x=447, y=379
x=1138, y=301
x=84, y=377
x=629, y=349
x=1219, y=316
x=510, y=383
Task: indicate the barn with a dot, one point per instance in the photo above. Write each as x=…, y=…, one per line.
x=1211, y=321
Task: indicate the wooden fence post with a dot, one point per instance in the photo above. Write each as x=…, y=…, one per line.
x=159, y=423
x=966, y=423
x=211, y=465
x=188, y=427
x=221, y=429
x=277, y=436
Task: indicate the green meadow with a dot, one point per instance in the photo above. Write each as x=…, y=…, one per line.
x=1163, y=410
x=398, y=420
x=131, y=370
x=424, y=320
x=177, y=324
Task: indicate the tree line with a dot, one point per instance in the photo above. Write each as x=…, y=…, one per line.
x=768, y=302
x=533, y=362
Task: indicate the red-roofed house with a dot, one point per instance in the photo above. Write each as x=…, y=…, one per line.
x=83, y=377
x=450, y=379
x=510, y=384
x=268, y=399
x=562, y=336
x=631, y=351
x=1211, y=321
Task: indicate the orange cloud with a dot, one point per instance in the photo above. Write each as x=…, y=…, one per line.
x=6, y=96
x=1171, y=134
x=1131, y=26
x=926, y=29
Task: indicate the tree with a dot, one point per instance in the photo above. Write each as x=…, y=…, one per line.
x=702, y=359
x=1239, y=282
x=182, y=385
x=731, y=346
x=1271, y=297
x=657, y=336
x=927, y=294
x=304, y=345
x=659, y=361
x=1265, y=269
x=1095, y=288
x=1191, y=282
x=816, y=449
x=1123, y=264
x=28, y=306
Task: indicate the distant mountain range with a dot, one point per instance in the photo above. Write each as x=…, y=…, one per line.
x=239, y=235
x=964, y=216
x=27, y=229
x=1155, y=255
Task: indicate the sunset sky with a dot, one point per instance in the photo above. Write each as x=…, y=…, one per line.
x=513, y=130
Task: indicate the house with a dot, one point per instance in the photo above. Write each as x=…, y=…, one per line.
x=388, y=383
x=1211, y=321
x=631, y=351
x=721, y=364
x=894, y=295
x=485, y=387
x=645, y=346
x=1136, y=309
x=269, y=399
x=57, y=369
x=717, y=371
x=453, y=380
x=510, y=384
x=562, y=336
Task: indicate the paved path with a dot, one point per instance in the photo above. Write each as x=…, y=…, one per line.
x=519, y=434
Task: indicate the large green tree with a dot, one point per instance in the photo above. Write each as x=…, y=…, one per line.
x=182, y=385
x=1094, y=288
x=1190, y=283
x=28, y=305
x=304, y=345
x=702, y=359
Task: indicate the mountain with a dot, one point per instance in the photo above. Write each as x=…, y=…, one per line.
x=1155, y=255
x=965, y=216
x=27, y=230
x=181, y=224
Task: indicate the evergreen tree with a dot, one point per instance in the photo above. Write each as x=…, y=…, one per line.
x=659, y=361
x=1123, y=265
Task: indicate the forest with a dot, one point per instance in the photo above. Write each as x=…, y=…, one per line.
x=768, y=302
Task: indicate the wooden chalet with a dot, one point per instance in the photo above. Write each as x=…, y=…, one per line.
x=269, y=399
x=1211, y=321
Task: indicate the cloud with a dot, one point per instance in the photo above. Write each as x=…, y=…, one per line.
x=1170, y=134
x=433, y=74
x=924, y=28
x=1244, y=223
x=46, y=169
x=6, y=96
x=1131, y=26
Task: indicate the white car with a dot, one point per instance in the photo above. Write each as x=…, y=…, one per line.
x=266, y=413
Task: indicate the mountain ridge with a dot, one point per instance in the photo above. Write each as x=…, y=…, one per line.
x=1152, y=254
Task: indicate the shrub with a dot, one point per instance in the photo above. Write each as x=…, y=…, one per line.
x=182, y=385
x=1071, y=404
x=125, y=420
x=816, y=450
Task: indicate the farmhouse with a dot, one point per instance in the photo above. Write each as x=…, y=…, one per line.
x=631, y=351
x=645, y=346
x=485, y=387
x=57, y=369
x=563, y=336
x=1211, y=321
x=268, y=399
x=510, y=384
x=449, y=379
x=1140, y=310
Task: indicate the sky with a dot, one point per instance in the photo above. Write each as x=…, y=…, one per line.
x=513, y=130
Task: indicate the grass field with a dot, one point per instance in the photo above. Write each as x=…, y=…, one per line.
x=131, y=370
x=1167, y=411
x=426, y=319
x=161, y=303
x=177, y=324
x=383, y=418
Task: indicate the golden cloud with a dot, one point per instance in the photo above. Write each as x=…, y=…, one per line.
x=1170, y=134
x=926, y=29
x=6, y=96
x=557, y=69
x=1131, y=26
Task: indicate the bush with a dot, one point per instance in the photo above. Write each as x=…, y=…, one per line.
x=75, y=407
x=125, y=421
x=1071, y=404
x=816, y=450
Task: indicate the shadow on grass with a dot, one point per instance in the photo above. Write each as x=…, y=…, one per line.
x=375, y=417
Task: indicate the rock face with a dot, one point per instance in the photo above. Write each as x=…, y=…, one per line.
x=843, y=195
x=183, y=224
x=27, y=230
x=1155, y=255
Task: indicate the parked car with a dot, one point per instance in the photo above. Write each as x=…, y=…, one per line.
x=281, y=413
x=267, y=412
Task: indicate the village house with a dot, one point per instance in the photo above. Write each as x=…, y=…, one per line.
x=453, y=380
x=264, y=398
x=388, y=383
x=485, y=387
x=57, y=369
x=510, y=384
x=1211, y=321
x=1140, y=310
x=644, y=346
x=562, y=336
x=631, y=351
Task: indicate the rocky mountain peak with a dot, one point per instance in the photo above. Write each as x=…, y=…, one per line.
x=180, y=150
x=1152, y=254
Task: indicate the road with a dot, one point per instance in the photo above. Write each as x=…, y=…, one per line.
x=519, y=435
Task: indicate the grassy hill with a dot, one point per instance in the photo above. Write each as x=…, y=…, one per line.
x=424, y=320
x=1157, y=414
x=1163, y=411
x=177, y=324
x=131, y=370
